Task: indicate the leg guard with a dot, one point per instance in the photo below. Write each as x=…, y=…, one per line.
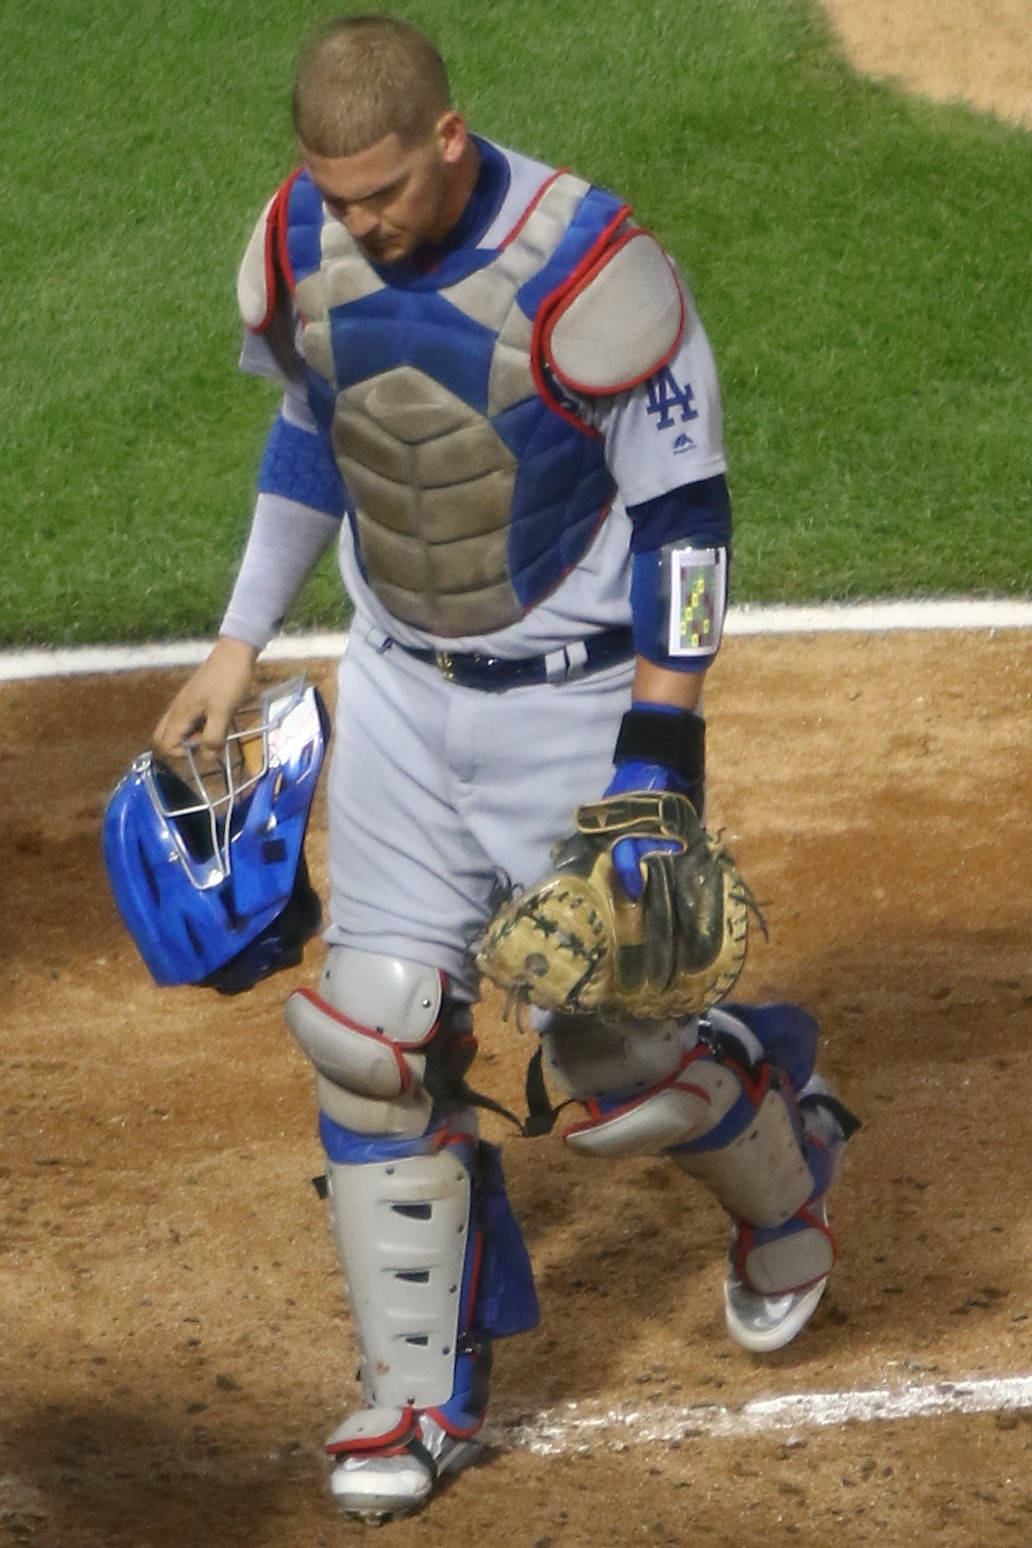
x=435, y=1268
x=728, y=1112
x=433, y=1260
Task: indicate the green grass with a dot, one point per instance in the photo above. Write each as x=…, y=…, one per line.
x=860, y=260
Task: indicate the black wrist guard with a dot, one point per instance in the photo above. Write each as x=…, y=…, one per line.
x=676, y=741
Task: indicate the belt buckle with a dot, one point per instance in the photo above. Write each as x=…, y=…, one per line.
x=445, y=665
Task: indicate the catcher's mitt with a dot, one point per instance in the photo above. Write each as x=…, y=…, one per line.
x=576, y=941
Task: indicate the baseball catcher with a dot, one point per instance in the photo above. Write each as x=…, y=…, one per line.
x=500, y=406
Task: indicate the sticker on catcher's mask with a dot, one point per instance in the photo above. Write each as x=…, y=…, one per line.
x=698, y=600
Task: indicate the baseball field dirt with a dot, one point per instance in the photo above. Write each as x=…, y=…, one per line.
x=175, y=1343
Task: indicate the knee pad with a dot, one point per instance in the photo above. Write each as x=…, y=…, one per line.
x=589, y=1057
x=729, y=1116
x=371, y=1029
x=435, y=1268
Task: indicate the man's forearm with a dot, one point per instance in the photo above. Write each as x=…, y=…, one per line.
x=659, y=685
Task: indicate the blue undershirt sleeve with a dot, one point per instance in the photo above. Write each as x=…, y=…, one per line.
x=701, y=511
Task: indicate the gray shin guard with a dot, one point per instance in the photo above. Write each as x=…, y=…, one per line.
x=726, y=1115
x=435, y=1269
x=402, y=1182
x=401, y=1226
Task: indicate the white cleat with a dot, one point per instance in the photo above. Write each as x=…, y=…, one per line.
x=378, y=1488
x=763, y=1323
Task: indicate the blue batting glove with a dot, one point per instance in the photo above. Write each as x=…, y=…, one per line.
x=628, y=853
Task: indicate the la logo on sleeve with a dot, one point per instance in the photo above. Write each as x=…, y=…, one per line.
x=666, y=397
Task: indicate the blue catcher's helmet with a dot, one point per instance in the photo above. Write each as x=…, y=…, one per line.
x=207, y=863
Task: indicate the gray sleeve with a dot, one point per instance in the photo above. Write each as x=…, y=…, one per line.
x=669, y=430
x=286, y=542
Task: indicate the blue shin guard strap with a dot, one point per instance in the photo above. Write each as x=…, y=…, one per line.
x=506, y=1300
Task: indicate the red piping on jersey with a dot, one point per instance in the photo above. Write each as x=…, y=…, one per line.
x=578, y=283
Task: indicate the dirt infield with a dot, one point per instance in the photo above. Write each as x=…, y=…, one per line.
x=176, y=1344
x=977, y=51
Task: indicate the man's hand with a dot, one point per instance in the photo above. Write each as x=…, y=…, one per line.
x=661, y=747
x=204, y=707
x=629, y=854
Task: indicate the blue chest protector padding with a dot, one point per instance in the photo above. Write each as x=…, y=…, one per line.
x=562, y=486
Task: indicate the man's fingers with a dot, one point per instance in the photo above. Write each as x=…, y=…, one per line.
x=627, y=864
x=211, y=737
x=178, y=726
x=629, y=856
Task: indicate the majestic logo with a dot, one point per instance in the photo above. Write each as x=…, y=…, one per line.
x=666, y=396
x=683, y=443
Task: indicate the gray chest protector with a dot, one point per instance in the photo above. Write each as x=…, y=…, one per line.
x=474, y=487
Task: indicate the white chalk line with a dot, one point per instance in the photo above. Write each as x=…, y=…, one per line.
x=582, y=1428
x=859, y=617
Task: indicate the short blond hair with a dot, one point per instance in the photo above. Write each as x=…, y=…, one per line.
x=361, y=78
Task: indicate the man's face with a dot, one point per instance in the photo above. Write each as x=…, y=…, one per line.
x=394, y=198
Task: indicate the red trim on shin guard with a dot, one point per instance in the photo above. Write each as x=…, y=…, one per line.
x=397, y=1050
x=745, y=1236
x=391, y=1443
x=596, y=1116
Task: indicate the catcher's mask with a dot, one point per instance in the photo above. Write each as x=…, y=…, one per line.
x=206, y=859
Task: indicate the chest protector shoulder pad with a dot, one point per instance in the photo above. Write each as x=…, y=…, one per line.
x=615, y=325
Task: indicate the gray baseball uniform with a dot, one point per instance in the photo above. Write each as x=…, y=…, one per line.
x=518, y=436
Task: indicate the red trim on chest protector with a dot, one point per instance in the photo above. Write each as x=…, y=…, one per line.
x=276, y=258
x=578, y=283
x=532, y=206
x=547, y=309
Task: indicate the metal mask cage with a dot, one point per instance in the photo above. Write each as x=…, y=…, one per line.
x=198, y=793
